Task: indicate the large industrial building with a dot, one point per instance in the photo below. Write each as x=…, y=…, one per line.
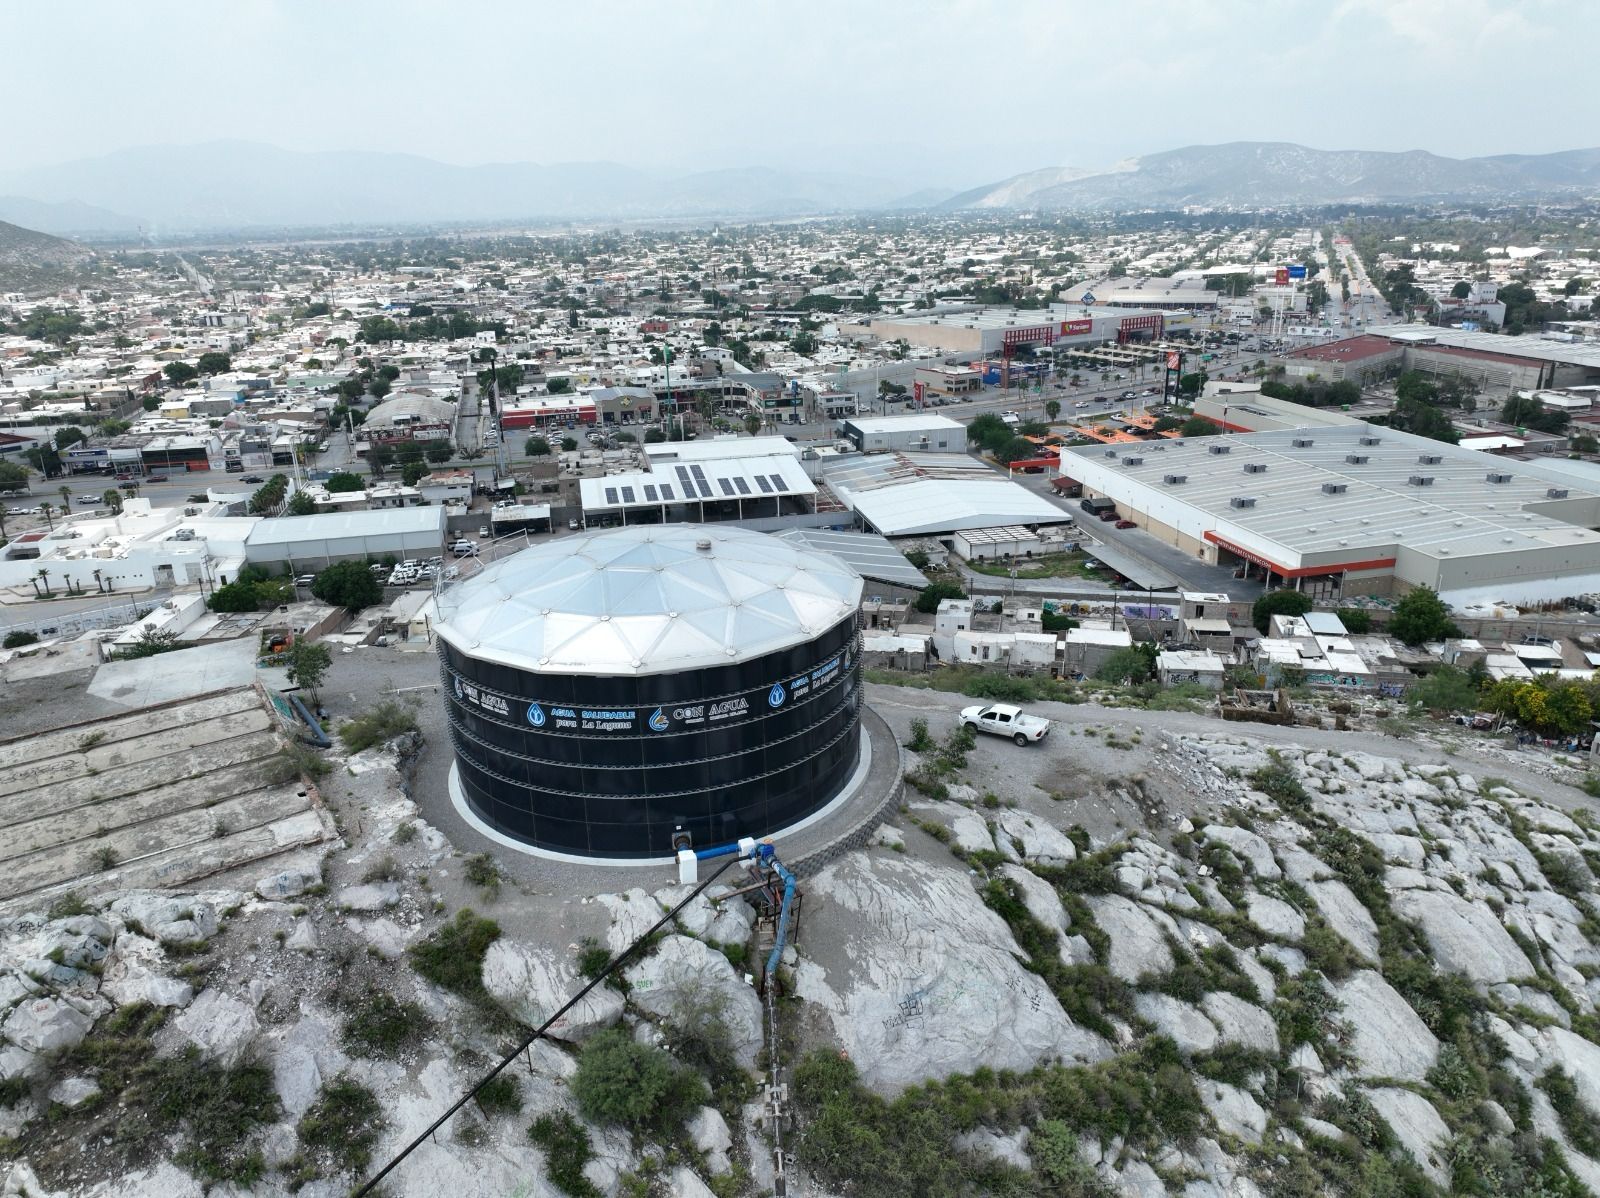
x=915, y=494
x=1498, y=364
x=989, y=331
x=1351, y=510
x=608, y=689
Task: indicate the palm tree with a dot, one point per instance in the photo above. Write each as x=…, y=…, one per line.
x=45, y=509
x=44, y=580
x=66, y=496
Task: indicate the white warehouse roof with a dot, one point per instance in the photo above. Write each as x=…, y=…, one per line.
x=908, y=494
x=713, y=480
x=647, y=600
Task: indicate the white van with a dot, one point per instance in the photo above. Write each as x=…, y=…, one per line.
x=463, y=548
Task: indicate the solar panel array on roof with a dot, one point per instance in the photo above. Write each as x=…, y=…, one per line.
x=779, y=485
x=739, y=482
x=649, y=492
x=666, y=490
x=727, y=487
x=761, y=481
x=611, y=494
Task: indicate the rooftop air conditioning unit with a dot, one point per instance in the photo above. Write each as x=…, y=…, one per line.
x=1429, y=459
x=1302, y=442
x=1556, y=493
x=1111, y=453
x=1420, y=480
x=1499, y=478
x=1173, y=480
x=1242, y=501
x=1369, y=440
x=1133, y=461
x=1218, y=448
x=1255, y=467
x=1356, y=459
x=1335, y=488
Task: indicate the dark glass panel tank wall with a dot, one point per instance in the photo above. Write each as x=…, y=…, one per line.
x=610, y=766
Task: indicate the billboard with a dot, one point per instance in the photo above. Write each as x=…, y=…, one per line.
x=1297, y=272
x=1076, y=328
x=1174, y=360
x=1282, y=276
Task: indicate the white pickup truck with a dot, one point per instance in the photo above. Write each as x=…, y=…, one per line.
x=1004, y=719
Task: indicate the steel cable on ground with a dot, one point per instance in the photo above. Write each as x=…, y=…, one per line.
x=538, y=1032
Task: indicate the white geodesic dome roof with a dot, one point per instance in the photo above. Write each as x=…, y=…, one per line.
x=647, y=600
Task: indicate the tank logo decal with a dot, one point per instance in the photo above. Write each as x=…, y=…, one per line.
x=776, y=695
x=658, y=721
x=535, y=715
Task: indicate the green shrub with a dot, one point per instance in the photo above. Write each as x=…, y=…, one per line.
x=17, y=638
x=341, y=1128
x=567, y=1151
x=634, y=1085
x=920, y=741
x=376, y=1024
x=453, y=956
x=500, y=1095
x=378, y=725
x=483, y=871
x=1580, y=1125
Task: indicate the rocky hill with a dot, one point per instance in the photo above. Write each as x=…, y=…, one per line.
x=1259, y=174
x=29, y=258
x=1201, y=963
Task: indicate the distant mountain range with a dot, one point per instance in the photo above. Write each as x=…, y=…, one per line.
x=235, y=185
x=1246, y=174
x=244, y=186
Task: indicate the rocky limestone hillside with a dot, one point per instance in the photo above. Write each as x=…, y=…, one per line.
x=1338, y=973
x=31, y=259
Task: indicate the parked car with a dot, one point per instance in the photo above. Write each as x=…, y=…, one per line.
x=1006, y=719
x=252, y=478
x=484, y=531
x=1109, y=514
x=86, y=500
x=1126, y=524
x=305, y=580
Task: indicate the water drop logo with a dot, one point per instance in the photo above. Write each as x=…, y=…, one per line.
x=776, y=695
x=535, y=715
x=658, y=721
x=458, y=688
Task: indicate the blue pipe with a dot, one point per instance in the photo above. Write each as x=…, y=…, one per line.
x=319, y=737
x=765, y=853
x=720, y=851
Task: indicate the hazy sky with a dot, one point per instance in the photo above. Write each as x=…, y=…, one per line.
x=944, y=91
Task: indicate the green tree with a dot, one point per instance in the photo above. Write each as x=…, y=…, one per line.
x=1133, y=664
x=12, y=476
x=301, y=504
x=1190, y=384
x=180, y=374
x=1422, y=616
x=1015, y=450
x=936, y=592
x=538, y=447
x=1198, y=426
x=1445, y=689
x=1166, y=424
x=1355, y=620
x=343, y=480
x=1461, y=290
x=348, y=585
x=412, y=472
x=69, y=435
x=1528, y=412
x=752, y=423
x=1423, y=419
x=378, y=388
x=559, y=386
x=1282, y=602
x=112, y=498
x=803, y=343
x=437, y=452
x=214, y=362
x=1052, y=408
x=568, y=444
x=635, y=1085
x=234, y=597
x=308, y=663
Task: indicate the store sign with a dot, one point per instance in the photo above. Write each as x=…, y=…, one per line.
x=1282, y=276
x=1076, y=328
x=1174, y=360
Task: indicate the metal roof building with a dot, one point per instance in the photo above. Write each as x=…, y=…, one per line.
x=868, y=554
x=333, y=536
x=1358, y=510
x=908, y=494
x=715, y=488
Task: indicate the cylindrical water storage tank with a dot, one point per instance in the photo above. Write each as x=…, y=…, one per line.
x=607, y=688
